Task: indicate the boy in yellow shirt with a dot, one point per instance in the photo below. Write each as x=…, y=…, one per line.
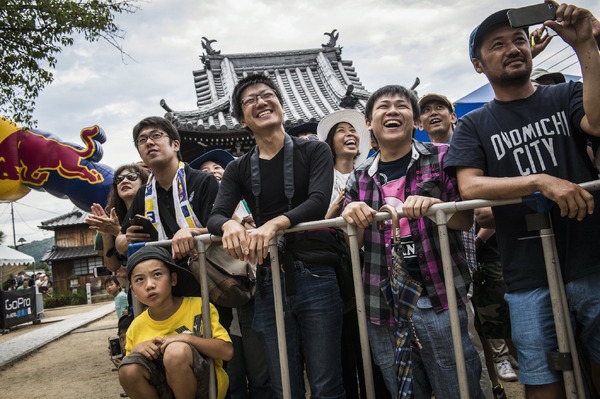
x=166, y=354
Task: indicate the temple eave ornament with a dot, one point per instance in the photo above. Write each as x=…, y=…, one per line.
x=333, y=36
x=207, y=46
x=349, y=101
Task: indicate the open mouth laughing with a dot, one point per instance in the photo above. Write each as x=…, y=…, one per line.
x=392, y=123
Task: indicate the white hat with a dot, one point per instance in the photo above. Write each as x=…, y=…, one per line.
x=357, y=120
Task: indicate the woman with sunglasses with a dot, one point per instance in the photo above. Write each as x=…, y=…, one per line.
x=126, y=182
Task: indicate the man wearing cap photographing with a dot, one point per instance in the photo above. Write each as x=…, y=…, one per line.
x=533, y=139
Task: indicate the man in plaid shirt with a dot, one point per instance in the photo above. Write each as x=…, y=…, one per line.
x=409, y=175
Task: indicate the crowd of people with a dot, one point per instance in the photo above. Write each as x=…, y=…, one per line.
x=537, y=135
x=24, y=280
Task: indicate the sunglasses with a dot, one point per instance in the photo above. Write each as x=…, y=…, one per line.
x=132, y=176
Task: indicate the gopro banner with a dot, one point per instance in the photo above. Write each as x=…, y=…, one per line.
x=18, y=307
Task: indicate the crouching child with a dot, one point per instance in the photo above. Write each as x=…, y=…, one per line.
x=166, y=354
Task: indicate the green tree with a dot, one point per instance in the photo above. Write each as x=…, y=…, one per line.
x=33, y=32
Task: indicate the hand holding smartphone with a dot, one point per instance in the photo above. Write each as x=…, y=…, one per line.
x=531, y=15
x=148, y=227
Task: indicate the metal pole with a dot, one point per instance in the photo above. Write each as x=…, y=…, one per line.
x=279, y=320
x=138, y=308
x=198, y=269
x=12, y=215
x=361, y=314
x=441, y=219
x=560, y=317
x=570, y=335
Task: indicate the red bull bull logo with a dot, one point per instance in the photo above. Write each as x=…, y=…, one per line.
x=39, y=155
x=32, y=158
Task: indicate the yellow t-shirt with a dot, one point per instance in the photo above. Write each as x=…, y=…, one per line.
x=144, y=328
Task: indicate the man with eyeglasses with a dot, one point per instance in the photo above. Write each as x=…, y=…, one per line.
x=285, y=181
x=532, y=139
x=177, y=199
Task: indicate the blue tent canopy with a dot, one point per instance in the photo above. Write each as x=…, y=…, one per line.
x=484, y=95
x=474, y=100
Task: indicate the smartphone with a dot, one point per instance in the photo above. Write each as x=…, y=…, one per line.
x=115, y=348
x=148, y=227
x=531, y=15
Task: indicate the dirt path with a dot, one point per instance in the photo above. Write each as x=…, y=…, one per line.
x=75, y=366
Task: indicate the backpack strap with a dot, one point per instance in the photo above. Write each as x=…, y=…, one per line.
x=288, y=186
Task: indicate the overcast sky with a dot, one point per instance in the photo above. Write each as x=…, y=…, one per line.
x=389, y=42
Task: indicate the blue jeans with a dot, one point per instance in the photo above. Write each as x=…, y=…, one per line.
x=312, y=317
x=434, y=366
x=383, y=351
x=534, y=332
x=249, y=362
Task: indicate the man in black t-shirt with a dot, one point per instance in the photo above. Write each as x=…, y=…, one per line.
x=531, y=139
x=177, y=199
x=264, y=177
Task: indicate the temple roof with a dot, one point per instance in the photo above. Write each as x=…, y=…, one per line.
x=313, y=83
x=65, y=253
x=74, y=218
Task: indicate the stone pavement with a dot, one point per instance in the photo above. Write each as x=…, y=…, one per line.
x=22, y=345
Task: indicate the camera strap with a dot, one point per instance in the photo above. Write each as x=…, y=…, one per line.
x=288, y=186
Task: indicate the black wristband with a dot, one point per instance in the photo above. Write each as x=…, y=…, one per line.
x=111, y=252
x=243, y=222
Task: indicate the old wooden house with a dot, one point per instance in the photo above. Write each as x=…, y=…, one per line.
x=72, y=257
x=313, y=82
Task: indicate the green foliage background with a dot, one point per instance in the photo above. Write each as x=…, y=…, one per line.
x=33, y=32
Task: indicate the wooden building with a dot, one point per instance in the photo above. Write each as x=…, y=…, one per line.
x=313, y=83
x=72, y=257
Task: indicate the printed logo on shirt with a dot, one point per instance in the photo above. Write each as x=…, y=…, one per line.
x=182, y=330
x=428, y=172
x=532, y=146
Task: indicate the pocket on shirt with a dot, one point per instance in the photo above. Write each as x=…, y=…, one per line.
x=430, y=188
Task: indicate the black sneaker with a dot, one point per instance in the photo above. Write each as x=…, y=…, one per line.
x=498, y=391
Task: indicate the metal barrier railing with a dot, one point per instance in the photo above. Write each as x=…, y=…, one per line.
x=440, y=214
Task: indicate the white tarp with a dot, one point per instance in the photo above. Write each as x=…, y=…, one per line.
x=12, y=257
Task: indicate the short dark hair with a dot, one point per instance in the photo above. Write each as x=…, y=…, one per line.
x=112, y=279
x=160, y=123
x=392, y=90
x=243, y=84
x=124, y=323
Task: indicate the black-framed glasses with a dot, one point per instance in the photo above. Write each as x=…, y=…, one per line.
x=154, y=136
x=131, y=176
x=252, y=99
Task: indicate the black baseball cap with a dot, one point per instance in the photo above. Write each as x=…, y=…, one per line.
x=306, y=127
x=499, y=17
x=187, y=285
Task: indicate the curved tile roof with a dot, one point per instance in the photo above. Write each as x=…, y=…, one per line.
x=313, y=83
